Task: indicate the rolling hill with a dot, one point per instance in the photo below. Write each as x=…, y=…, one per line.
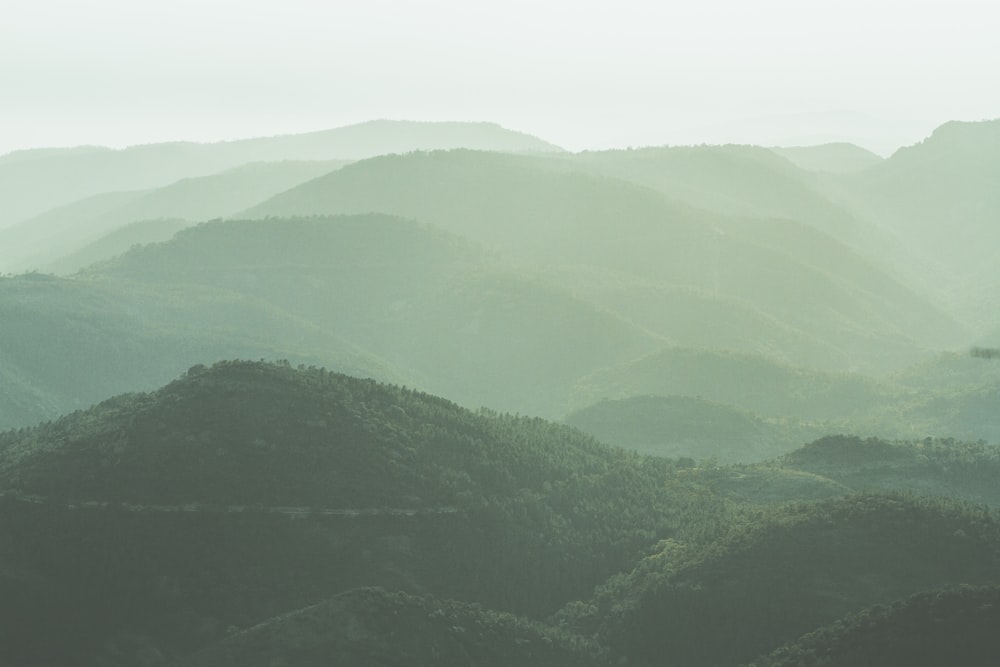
x=35, y=181
x=537, y=212
x=801, y=568
x=940, y=198
x=43, y=242
x=245, y=491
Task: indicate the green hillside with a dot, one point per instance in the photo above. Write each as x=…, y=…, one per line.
x=69, y=343
x=933, y=466
x=799, y=568
x=423, y=300
x=950, y=627
x=536, y=211
x=246, y=490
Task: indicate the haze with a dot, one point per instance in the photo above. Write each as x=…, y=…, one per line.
x=580, y=74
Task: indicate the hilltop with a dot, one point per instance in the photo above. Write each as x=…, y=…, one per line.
x=34, y=181
x=195, y=486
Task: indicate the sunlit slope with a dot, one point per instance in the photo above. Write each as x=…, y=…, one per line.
x=423, y=300
x=792, y=571
x=941, y=197
x=955, y=626
x=34, y=181
x=247, y=490
x=42, y=241
x=835, y=158
x=374, y=627
x=535, y=211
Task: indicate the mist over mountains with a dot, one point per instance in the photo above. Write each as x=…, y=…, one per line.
x=414, y=393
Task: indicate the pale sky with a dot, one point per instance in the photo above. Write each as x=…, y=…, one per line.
x=578, y=73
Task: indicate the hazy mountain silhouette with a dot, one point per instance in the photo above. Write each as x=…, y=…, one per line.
x=940, y=197
x=535, y=211
x=837, y=158
x=40, y=242
x=34, y=181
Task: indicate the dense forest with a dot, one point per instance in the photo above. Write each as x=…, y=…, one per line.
x=444, y=393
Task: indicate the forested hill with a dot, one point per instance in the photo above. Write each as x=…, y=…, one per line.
x=179, y=503
x=253, y=433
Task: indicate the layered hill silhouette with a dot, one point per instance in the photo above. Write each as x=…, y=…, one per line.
x=940, y=199
x=35, y=181
x=416, y=297
x=536, y=211
x=242, y=512
x=49, y=241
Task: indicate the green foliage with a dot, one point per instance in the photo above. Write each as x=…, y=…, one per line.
x=950, y=627
x=790, y=570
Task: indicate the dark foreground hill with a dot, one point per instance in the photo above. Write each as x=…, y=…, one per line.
x=951, y=627
x=799, y=568
x=248, y=490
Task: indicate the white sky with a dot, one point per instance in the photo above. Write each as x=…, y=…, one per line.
x=581, y=74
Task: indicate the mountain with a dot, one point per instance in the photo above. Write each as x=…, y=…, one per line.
x=932, y=466
x=34, y=181
x=837, y=158
x=370, y=295
x=949, y=627
x=799, y=568
x=163, y=523
x=536, y=211
x=41, y=242
x=940, y=197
